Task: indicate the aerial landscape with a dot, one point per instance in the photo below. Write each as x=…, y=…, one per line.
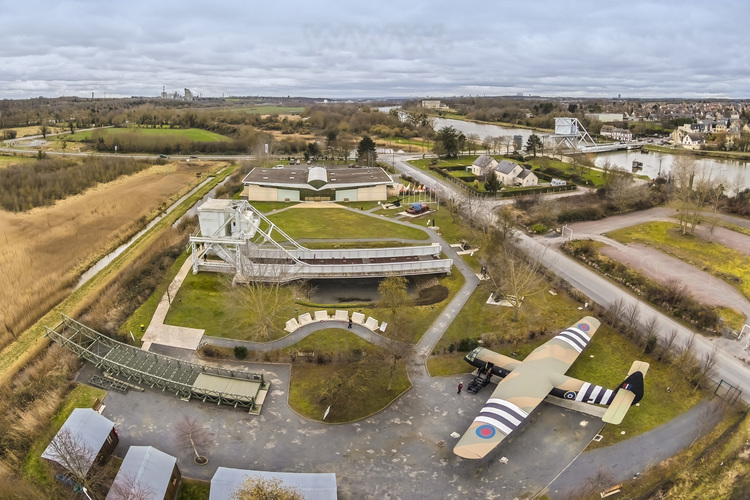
x=393, y=251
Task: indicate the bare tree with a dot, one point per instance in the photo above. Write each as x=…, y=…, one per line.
x=191, y=436
x=515, y=275
x=706, y=366
x=617, y=310
x=80, y=460
x=651, y=331
x=265, y=295
x=258, y=488
x=669, y=342
x=684, y=170
x=714, y=198
x=632, y=316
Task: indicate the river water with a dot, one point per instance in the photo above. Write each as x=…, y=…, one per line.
x=653, y=163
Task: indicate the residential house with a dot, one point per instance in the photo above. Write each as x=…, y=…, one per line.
x=693, y=141
x=483, y=165
x=146, y=474
x=85, y=437
x=527, y=178
x=507, y=171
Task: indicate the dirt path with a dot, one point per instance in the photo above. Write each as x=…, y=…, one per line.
x=662, y=267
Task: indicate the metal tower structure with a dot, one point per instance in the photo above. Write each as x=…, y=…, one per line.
x=571, y=134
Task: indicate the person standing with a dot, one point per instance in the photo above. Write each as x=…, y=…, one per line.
x=460, y=386
x=350, y=324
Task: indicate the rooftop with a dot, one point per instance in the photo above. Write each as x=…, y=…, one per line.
x=312, y=486
x=144, y=470
x=302, y=177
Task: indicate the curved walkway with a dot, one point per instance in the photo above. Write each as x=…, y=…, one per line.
x=302, y=332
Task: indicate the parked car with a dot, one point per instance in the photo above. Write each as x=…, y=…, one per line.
x=163, y=156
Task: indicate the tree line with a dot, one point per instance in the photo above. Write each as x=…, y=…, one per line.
x=25, y=186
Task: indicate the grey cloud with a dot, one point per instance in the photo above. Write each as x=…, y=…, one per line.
x=387, y=48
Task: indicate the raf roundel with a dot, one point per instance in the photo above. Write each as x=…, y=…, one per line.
x=583, y=327
x=485, y=431
x=570, y=395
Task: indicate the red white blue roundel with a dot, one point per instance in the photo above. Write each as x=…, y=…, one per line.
x=570, y=395
x=485, y=431
x=583, y=327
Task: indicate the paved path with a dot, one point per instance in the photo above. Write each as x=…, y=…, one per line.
x=175, y=336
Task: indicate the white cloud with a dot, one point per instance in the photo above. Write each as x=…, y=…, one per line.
x=324, y=48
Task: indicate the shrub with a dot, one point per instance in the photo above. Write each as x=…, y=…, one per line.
x=240, y=352
x=539, y=228
x=432, y=295
x=468, y=344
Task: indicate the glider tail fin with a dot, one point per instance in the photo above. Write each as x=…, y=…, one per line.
x=628, y=393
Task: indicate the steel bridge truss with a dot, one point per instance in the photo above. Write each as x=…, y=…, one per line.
x=571, y=134
x=184, y=379
x=229, y=248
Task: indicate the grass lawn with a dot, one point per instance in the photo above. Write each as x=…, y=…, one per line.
x=592, y=176
x=723, y=262
x=541, y=312
x=193, y=489
x=143, y=315
x=6, y=160
x=605, y=361
x=191, y=134
x=308, y=379
x=206, y=300
x=267, y=207
x=321, y=223
x=36, y=469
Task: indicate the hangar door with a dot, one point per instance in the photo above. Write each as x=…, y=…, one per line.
x=347, y=195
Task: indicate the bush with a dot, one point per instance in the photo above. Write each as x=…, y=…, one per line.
x=468, y=344
x=240, y=352
x=432, y=295
x=539, y=228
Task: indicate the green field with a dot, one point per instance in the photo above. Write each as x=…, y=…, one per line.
x=723, y=262
x=189, y=134
x=5, y=160
x=325, y=223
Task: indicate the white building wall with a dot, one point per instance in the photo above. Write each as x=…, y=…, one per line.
x=287, y=194
x=372, y=193
x=258, y=193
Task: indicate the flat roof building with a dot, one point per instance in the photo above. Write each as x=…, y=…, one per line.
x=302, y=183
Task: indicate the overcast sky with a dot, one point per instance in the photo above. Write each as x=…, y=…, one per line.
x=680, y=48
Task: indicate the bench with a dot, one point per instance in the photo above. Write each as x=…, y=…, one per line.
x=614, y=490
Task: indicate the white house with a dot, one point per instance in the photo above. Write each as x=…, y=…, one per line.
x=507, y=171
x=527, y=178
x=692, y=141
x=483, y=165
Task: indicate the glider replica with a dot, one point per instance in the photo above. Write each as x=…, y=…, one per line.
x=526, y=383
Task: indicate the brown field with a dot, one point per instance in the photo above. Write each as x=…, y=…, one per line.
x=33, y=130
x=45, y=250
